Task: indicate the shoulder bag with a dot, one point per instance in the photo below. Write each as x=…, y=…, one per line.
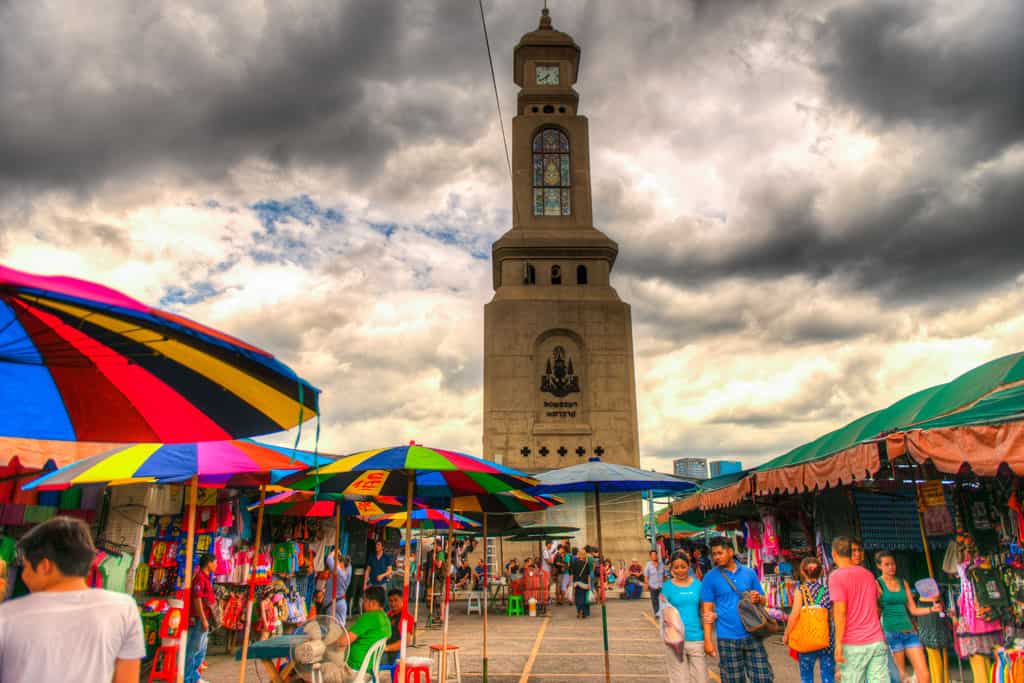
x=754, y=617
x=811, y=632
x=584, y=572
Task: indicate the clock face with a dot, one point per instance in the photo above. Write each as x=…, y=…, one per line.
x=547, y=75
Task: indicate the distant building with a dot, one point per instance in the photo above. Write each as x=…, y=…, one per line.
x=691, y=468
x=720, y=467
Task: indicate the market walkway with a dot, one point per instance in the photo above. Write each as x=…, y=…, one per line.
x=559, y=649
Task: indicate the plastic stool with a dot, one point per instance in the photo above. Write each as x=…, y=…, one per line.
x=418, y=667
x=473, y=604
x=165, y=664
x=453, y=650
x=515, y=606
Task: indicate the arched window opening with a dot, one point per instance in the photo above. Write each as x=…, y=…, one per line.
x=556, y=275
x=581, y=275
x=529, y=275
x=551, y=177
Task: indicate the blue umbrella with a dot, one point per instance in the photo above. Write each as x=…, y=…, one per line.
x=598, y=476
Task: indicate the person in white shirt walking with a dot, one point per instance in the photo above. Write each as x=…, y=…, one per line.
x=65, y=628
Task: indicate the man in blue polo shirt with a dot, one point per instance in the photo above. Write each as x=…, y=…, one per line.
x=379, y=567
x=741, y=656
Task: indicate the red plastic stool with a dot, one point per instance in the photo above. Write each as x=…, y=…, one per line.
x=417, y=670
x=165, y=664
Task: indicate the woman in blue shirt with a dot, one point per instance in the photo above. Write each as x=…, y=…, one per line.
x=683, y=593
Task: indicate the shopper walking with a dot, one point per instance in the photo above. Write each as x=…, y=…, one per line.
x=203, y=599
x=65, y=630
x=682, y=591
x=342, y=580
x=897, y=608
x=581, y=582
x=813, y=593
x=860, y=650
x=654, y=578
x=741, y=656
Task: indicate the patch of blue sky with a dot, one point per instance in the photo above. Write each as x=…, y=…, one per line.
x=386, y=229
x=195, y=293
x=302, y=209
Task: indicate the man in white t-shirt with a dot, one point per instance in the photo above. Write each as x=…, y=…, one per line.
x=64, y=629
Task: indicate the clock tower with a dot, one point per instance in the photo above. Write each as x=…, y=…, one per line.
x=559, y=383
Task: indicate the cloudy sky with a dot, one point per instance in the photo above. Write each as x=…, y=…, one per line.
x=817, y=204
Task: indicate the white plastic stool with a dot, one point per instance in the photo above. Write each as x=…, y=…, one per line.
x=453, y=651
x=473, y=603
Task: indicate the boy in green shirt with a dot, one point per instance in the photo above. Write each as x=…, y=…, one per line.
x=371, y=626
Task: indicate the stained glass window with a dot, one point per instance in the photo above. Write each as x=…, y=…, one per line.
x=552, y=175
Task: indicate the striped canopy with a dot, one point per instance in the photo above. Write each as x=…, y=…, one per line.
x=217, y=463
x=501, y=502
x=438, y=474
x=80, y=361
x=424, y=519
x=306, y=504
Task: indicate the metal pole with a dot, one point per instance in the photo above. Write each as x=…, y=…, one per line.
x=190, y=541
x=600, y=564
x=447, y=589
x=653, y=523
x=402, y=621
x=419, y=585
x=671, y=534
x=337, y=557
x=486, y=567
x=252, y=585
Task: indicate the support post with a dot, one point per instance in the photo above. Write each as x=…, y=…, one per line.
x=337, y=557
x=252, y=586
x=600, y=578
x=447, y=590
x=403, y=622
x=486, y=569
x=190, y=541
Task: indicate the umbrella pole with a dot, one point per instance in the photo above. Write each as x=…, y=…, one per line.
x=190, y=541
x=419, y=585
x=337, y=558
x=447, y=590
x=600, y=565
x=252, y=585
x=486, y=567
x=671, y=535
x=403, y=623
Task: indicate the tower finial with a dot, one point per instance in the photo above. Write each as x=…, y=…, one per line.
x=545, y=19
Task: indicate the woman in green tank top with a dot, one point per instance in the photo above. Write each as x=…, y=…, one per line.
x=897, y=607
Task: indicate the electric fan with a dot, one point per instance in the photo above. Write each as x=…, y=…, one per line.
x=320, y=656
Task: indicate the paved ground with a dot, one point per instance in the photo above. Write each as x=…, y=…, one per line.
x=556, y=649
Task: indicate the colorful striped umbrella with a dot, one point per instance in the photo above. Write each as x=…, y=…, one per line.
x=412, y=471
x=500, y=502
x=428, y=519
x=84, y=362
x=215, y=463
x=432, y=473
x=307, y=504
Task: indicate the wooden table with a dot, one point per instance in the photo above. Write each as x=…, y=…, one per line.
x=266, y=651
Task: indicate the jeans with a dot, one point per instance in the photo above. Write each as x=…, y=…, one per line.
x=582, y=604
x=655, y=605
x=826, y=657
x=195, y=652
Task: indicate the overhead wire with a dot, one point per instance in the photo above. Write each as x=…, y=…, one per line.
x=497, y=100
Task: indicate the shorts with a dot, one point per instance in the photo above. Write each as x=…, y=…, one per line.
x=898, y=641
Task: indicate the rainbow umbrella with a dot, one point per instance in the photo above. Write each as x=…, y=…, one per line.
x=306, y=504
x=412, y=471
x=213, y=463
x=428, y=519
x=83, y=362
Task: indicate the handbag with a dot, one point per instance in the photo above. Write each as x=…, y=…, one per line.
x=812, y=629
x=583, y=585
x=754, y=617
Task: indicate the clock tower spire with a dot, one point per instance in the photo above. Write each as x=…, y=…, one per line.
x=559, y=383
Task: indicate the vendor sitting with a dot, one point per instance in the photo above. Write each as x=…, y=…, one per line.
x=634, y=581
x=479, y=572
x=394, y=646
x=371, y=626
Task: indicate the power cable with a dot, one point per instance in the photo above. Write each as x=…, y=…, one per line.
x=497, y=100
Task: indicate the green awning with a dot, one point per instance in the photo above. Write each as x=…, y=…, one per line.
x=932, y=407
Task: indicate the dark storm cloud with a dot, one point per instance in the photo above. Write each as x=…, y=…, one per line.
x=155, y=85
x=941, y=67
